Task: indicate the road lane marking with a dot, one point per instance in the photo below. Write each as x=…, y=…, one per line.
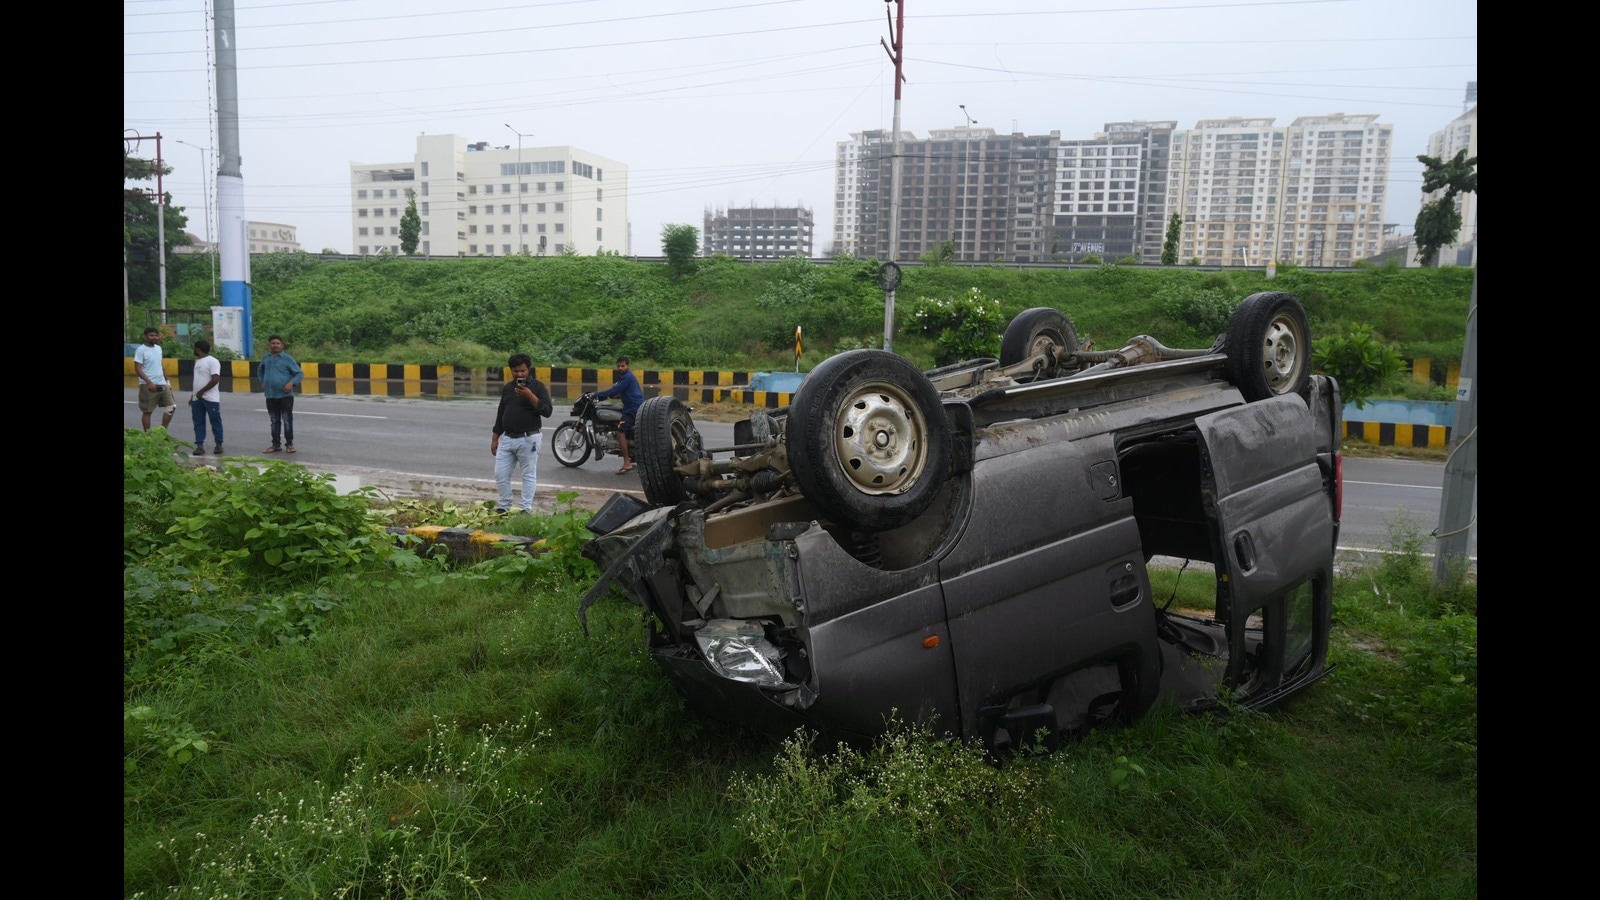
x=1385, y=484
x=298, y=412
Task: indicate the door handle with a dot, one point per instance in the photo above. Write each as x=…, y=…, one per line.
x=1244, y=551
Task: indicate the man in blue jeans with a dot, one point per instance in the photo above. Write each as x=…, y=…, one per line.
x=280, y=376
x=626, y=387
x=206, y=401
x=524, y=402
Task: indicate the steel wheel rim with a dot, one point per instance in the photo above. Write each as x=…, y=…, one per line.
x=1050, y=342
x=1281, y=353
x=880, y=441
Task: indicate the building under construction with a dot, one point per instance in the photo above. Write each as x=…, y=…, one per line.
x=758, y=232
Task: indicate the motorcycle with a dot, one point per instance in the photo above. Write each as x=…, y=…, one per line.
x=594, y=429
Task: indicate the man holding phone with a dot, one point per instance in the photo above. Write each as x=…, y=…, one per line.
x=524, y=402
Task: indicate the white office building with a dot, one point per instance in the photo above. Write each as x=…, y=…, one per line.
x=271, y=237
x=264, y=237
x=476, y=199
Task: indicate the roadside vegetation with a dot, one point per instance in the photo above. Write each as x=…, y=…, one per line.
x=725, y=314
x=311, y=709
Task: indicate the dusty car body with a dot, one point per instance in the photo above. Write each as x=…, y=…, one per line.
x=970, y=547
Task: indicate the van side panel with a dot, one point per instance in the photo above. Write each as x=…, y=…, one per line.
x=1048, y=577
x=1268, y=499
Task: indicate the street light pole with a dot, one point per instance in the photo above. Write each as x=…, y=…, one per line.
x=522, y=242
x=205, y=187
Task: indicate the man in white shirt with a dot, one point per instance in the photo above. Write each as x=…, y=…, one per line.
x=154, y=390
x=206, y=403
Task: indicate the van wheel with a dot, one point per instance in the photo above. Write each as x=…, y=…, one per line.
x=1268, y=343
x=1040, y=330
x=666, y=439
x=867, y=439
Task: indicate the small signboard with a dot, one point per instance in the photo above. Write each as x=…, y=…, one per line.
x=227, y=328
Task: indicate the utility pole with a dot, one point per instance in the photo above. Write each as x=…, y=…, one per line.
x=522, y=242
x=161, y=219
x=897, y=54
x=1461, y=466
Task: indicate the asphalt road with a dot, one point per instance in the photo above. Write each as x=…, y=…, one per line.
x=415, y=445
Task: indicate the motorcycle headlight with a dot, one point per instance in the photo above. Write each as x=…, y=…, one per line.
x=740, y=651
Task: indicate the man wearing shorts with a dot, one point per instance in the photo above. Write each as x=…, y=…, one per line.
x=154, y=390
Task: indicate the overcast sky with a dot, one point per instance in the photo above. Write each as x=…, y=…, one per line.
x=711, y=103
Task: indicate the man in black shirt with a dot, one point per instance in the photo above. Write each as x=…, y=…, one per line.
x=524, y=401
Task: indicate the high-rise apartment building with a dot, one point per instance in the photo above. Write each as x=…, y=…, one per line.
x=1110, y=192
x=475, y=199
x=759, y=232
x=860, y=165
x=1247, y=191
x=988, y=196
x=1461, y=134
x=1311, y=193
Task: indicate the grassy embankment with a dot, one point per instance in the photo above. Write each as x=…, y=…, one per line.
x=742, y=316
x=310, y=712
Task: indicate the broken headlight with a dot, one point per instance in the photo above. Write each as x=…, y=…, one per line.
x=739, y=651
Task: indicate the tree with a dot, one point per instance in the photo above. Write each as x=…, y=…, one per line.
x=410, y=225
x=1169, y=247
x=140, y=239
x=1439, y=222
x=679, y=243
x=942, y=255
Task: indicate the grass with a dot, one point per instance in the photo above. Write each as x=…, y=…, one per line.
x=408, y=728
x=1391, y=451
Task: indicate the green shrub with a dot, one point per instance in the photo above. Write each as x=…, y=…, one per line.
x=1363, y=364
x=1204, y=306
x=151, y=478
x=966, y=327
x=281, y=521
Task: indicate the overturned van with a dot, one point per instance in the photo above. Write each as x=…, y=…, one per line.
x=970, y=546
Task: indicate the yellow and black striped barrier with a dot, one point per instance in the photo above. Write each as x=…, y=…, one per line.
x=690, y=385
x=693, y=386
x=1399, y=434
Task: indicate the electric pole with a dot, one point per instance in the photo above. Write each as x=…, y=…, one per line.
x=897, y=54
x=161, y=216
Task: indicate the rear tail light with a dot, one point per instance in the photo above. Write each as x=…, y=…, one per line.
x=1338, y=486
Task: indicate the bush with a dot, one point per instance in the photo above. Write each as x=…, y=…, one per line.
x=1206, y=306
x=967, y=327
x=280, y=522
x=151, y=478
x=1363, y=364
